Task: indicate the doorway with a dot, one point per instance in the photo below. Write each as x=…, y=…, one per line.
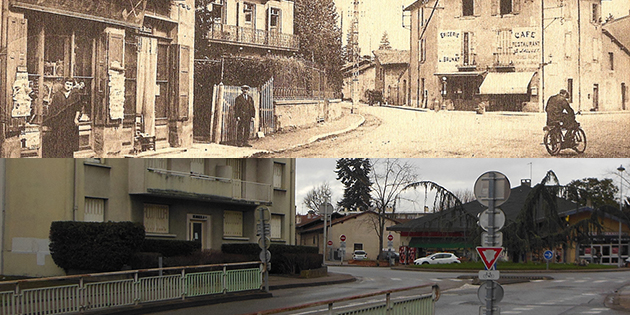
x=198, y=229
x=595, y=97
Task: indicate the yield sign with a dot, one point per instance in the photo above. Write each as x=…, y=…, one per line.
x=489, y=255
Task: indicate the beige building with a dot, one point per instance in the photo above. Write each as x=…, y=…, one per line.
x=358, y=229
x=366, y=74
x=510, y=53
x=392, y=75
x=210, y=200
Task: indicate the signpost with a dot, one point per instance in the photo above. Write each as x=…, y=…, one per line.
x=342, y=246
x=264, y=232
x=491, y=189
x=548, y=255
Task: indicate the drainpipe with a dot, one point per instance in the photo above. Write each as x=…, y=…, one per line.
x=579, y=55
x=3, y=189
x=75, y=190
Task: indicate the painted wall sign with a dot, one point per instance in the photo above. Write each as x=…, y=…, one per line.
x=449, y=44
x=526, y=47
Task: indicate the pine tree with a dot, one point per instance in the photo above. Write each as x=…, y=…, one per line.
x=355, y=176
x=385, y=42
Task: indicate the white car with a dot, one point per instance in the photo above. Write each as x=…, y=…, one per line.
x=359, y=255
x=438, y=258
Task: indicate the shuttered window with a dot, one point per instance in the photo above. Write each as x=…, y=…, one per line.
x=94, y=210
x=156, y=218
x=278, y=170
x=276, y=226
x=233, y=223
x=197, y=166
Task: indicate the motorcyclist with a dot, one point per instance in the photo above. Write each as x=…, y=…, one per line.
x=559, y=112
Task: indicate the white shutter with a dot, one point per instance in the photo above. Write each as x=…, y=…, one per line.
x=197, y=166
x=94, y=210
x=276, y=226
x=156, y=218
x=277, y=175
x=232, y=223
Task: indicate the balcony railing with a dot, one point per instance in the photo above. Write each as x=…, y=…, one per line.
x=246, y=35
x=199, y=184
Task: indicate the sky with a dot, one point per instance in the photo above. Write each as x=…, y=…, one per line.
x=378, y=16
x=461, y=174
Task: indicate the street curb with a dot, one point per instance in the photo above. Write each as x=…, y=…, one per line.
x=511, y=271
x=312, y=139
x=310, y=284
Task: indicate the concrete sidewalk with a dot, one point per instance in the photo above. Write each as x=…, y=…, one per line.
x=273, y=143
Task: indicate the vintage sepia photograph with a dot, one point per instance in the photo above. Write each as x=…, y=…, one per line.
x=315, y=78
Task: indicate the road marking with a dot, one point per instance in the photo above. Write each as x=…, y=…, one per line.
x=591, y=312
x=538, y=280
x=396, y=279
x=511, y=312
x=457, y=280
x=580, y=281
x=559, y=280
x=436, y=280
x=523, y=308
x=589, y=294
x=600, y=281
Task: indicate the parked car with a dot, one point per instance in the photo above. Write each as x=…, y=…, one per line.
x=438, y=258
x=390, y=254
x=359, y=255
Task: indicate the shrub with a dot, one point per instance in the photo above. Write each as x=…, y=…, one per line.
x=170, y=248
x=285, y=259
x=94, y=246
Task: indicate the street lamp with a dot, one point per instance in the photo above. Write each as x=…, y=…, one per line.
x=620, y=169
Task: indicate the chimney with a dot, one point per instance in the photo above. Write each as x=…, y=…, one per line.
x=526, y=182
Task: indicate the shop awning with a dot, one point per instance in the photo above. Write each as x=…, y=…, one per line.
x=506, y=83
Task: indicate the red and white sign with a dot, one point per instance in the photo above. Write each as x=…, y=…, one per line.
x=342, y=238
x=329, y=243
x=489, y=255
x=390, y=237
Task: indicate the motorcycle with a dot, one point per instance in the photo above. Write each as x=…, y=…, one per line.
x=557, y=138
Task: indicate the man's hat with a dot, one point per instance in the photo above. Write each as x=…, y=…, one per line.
x=245, y=87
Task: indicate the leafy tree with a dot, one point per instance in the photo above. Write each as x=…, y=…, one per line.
x=355, y=176
x=385, y=45
x=592, y=192
x=320, y=37
x=317, y=196
x=390, y=177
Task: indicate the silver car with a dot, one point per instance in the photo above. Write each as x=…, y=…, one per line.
x=438, y=258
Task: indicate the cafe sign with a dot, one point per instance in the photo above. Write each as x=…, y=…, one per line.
x=126, y=12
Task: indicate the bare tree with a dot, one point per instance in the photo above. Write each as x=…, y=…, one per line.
x=389, y=178
x=464, y=195
x=317, y=197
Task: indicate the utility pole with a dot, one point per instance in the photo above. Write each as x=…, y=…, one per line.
x=354, y=45
x=620, y=169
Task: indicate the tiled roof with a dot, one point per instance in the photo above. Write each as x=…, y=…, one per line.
x=392, y=56
x=617, y=30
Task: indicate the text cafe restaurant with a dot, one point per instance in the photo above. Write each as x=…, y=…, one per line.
x=130, y=63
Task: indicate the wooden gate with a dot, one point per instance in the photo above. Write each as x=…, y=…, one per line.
x=223, y=113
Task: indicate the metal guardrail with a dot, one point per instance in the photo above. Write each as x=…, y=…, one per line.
x=419, y=305
x=99, y=295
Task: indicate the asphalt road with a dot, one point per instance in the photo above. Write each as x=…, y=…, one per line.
x=567, y=293
x=404, y=133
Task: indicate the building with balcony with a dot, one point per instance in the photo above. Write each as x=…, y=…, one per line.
x=208, y=200
x=131, y=65
x=511, y=54
x=254, y=27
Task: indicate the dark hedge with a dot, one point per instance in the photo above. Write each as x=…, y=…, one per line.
x=169, y=248
x=285, y=259
x=94, y=246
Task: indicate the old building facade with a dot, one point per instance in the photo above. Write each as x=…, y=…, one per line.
x=254, y=27
x=511, y=54
x=392, y=75
x=209, y=200
x=130, y=62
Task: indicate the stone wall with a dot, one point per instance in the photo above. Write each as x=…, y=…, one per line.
x=300, y=113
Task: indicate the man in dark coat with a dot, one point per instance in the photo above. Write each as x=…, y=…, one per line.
x=61, y=124
x=244, y=112
x=559, y=110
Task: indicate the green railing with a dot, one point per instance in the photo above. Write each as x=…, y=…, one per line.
x=92, y=293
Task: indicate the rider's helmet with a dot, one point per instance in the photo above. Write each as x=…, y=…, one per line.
x=564, y=93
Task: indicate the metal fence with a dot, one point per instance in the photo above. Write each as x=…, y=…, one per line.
x=99, y=295
x=418, y=305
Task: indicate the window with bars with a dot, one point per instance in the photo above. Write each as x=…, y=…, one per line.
x=278, y=172
x=156, y=218
x=276, y=226
x=94, y=210
x=233, y=223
